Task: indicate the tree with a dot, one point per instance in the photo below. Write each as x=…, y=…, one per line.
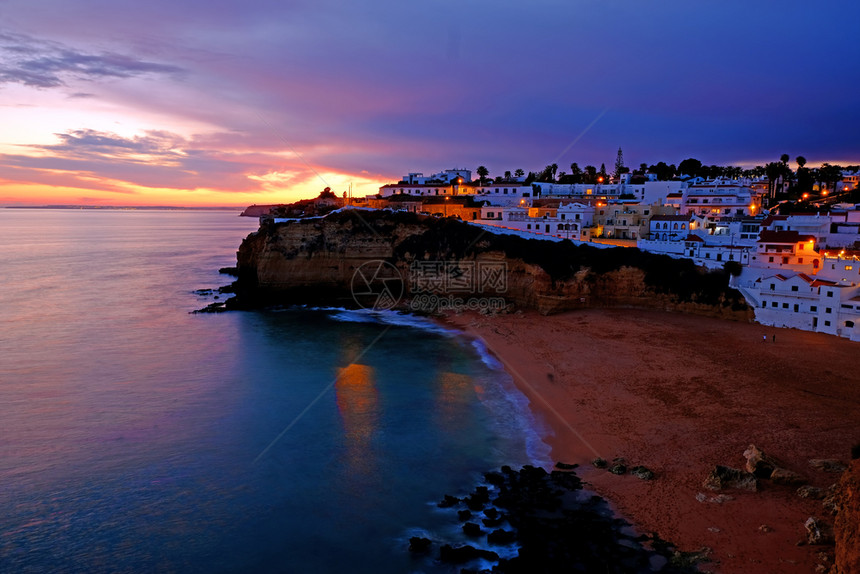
x=784, y=159
x=507, y=175
x=575, y=173
x=519, y=173
x=554, y=170
x=801, y=161
x=690, y=167
x=662, y=171
x=619, y=165
x=829, y=174
x=590, y=174
x=602, y=177
x=482, y=172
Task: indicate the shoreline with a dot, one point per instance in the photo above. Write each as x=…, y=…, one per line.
x=681, y=394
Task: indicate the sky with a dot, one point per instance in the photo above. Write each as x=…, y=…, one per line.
x=216, y=102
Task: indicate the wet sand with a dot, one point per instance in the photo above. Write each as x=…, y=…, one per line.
x=681, y=394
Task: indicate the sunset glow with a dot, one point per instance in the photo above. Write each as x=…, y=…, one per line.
x=202, y=105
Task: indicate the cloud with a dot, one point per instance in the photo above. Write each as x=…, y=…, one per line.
x=41, y=64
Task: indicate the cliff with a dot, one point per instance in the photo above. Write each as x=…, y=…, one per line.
x=847, y=526
x=421, y=262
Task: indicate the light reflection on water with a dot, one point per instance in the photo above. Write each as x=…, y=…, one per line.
x=130, y=427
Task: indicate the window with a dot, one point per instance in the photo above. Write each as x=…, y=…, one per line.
x=800, y=260
x=772, y=286
x=490, y=214
x=785, y=260
x=764, y=303
x=828, y=310
x=813, y=309
x=830, y=293
x=528, y=225
x=848, y=267
x=562, y=216
x=827, y=323
x=796, y=308
x=770, y=259
x=849, y=324
x=785, y=305
x=794, y=287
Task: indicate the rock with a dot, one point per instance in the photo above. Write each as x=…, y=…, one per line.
x=827, y=464
x=565, y=466
x=847, y=523
x=419, y=545
x=598, y=463
x=472, y=529
x=448, y=501
x=788, y=477
x=463, y=554
x=817, y=531
x=501, y=537
x=618, y=468
x=494, y=478
x=726, y=477
x=758, y=463
x=493, y=522
x=642, y=472
x=765, y=528
x=812, y=492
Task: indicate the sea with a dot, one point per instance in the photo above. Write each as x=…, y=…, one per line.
x=138, y=436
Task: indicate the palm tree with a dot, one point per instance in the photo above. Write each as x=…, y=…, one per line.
x=482, y=172
x=507, y=175
x=801, y=161
x=784, y=159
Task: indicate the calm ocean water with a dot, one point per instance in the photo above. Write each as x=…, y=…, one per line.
x=134, y=435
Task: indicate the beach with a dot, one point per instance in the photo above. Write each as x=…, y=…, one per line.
x=681, y=394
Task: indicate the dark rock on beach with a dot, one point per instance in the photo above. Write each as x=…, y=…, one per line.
x=556, y=527
x=463, y=554
x=419, y=545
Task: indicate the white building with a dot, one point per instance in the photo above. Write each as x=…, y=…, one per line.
x=719, y=198
x=566, y=221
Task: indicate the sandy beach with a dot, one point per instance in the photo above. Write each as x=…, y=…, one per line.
x=681, y=394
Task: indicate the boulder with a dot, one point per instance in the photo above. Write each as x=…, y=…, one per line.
x=827, y=464
x=788, y=477
x=812, y=492
x=642, y=472
x=726, y=477
x=598, y=463
x=462, y=554
x=818, y=532
x=758, y=463
x=502, y=537
x=419, y=545
x=565, y=466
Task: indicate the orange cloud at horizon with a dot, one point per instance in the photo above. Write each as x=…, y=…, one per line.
x=111, y=193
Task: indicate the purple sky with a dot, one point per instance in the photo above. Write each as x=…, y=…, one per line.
x=258, y=101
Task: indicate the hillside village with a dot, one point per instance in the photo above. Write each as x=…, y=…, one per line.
x=797, y=263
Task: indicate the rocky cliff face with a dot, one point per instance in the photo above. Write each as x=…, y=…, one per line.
x=317, y=260
x=847, y=526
